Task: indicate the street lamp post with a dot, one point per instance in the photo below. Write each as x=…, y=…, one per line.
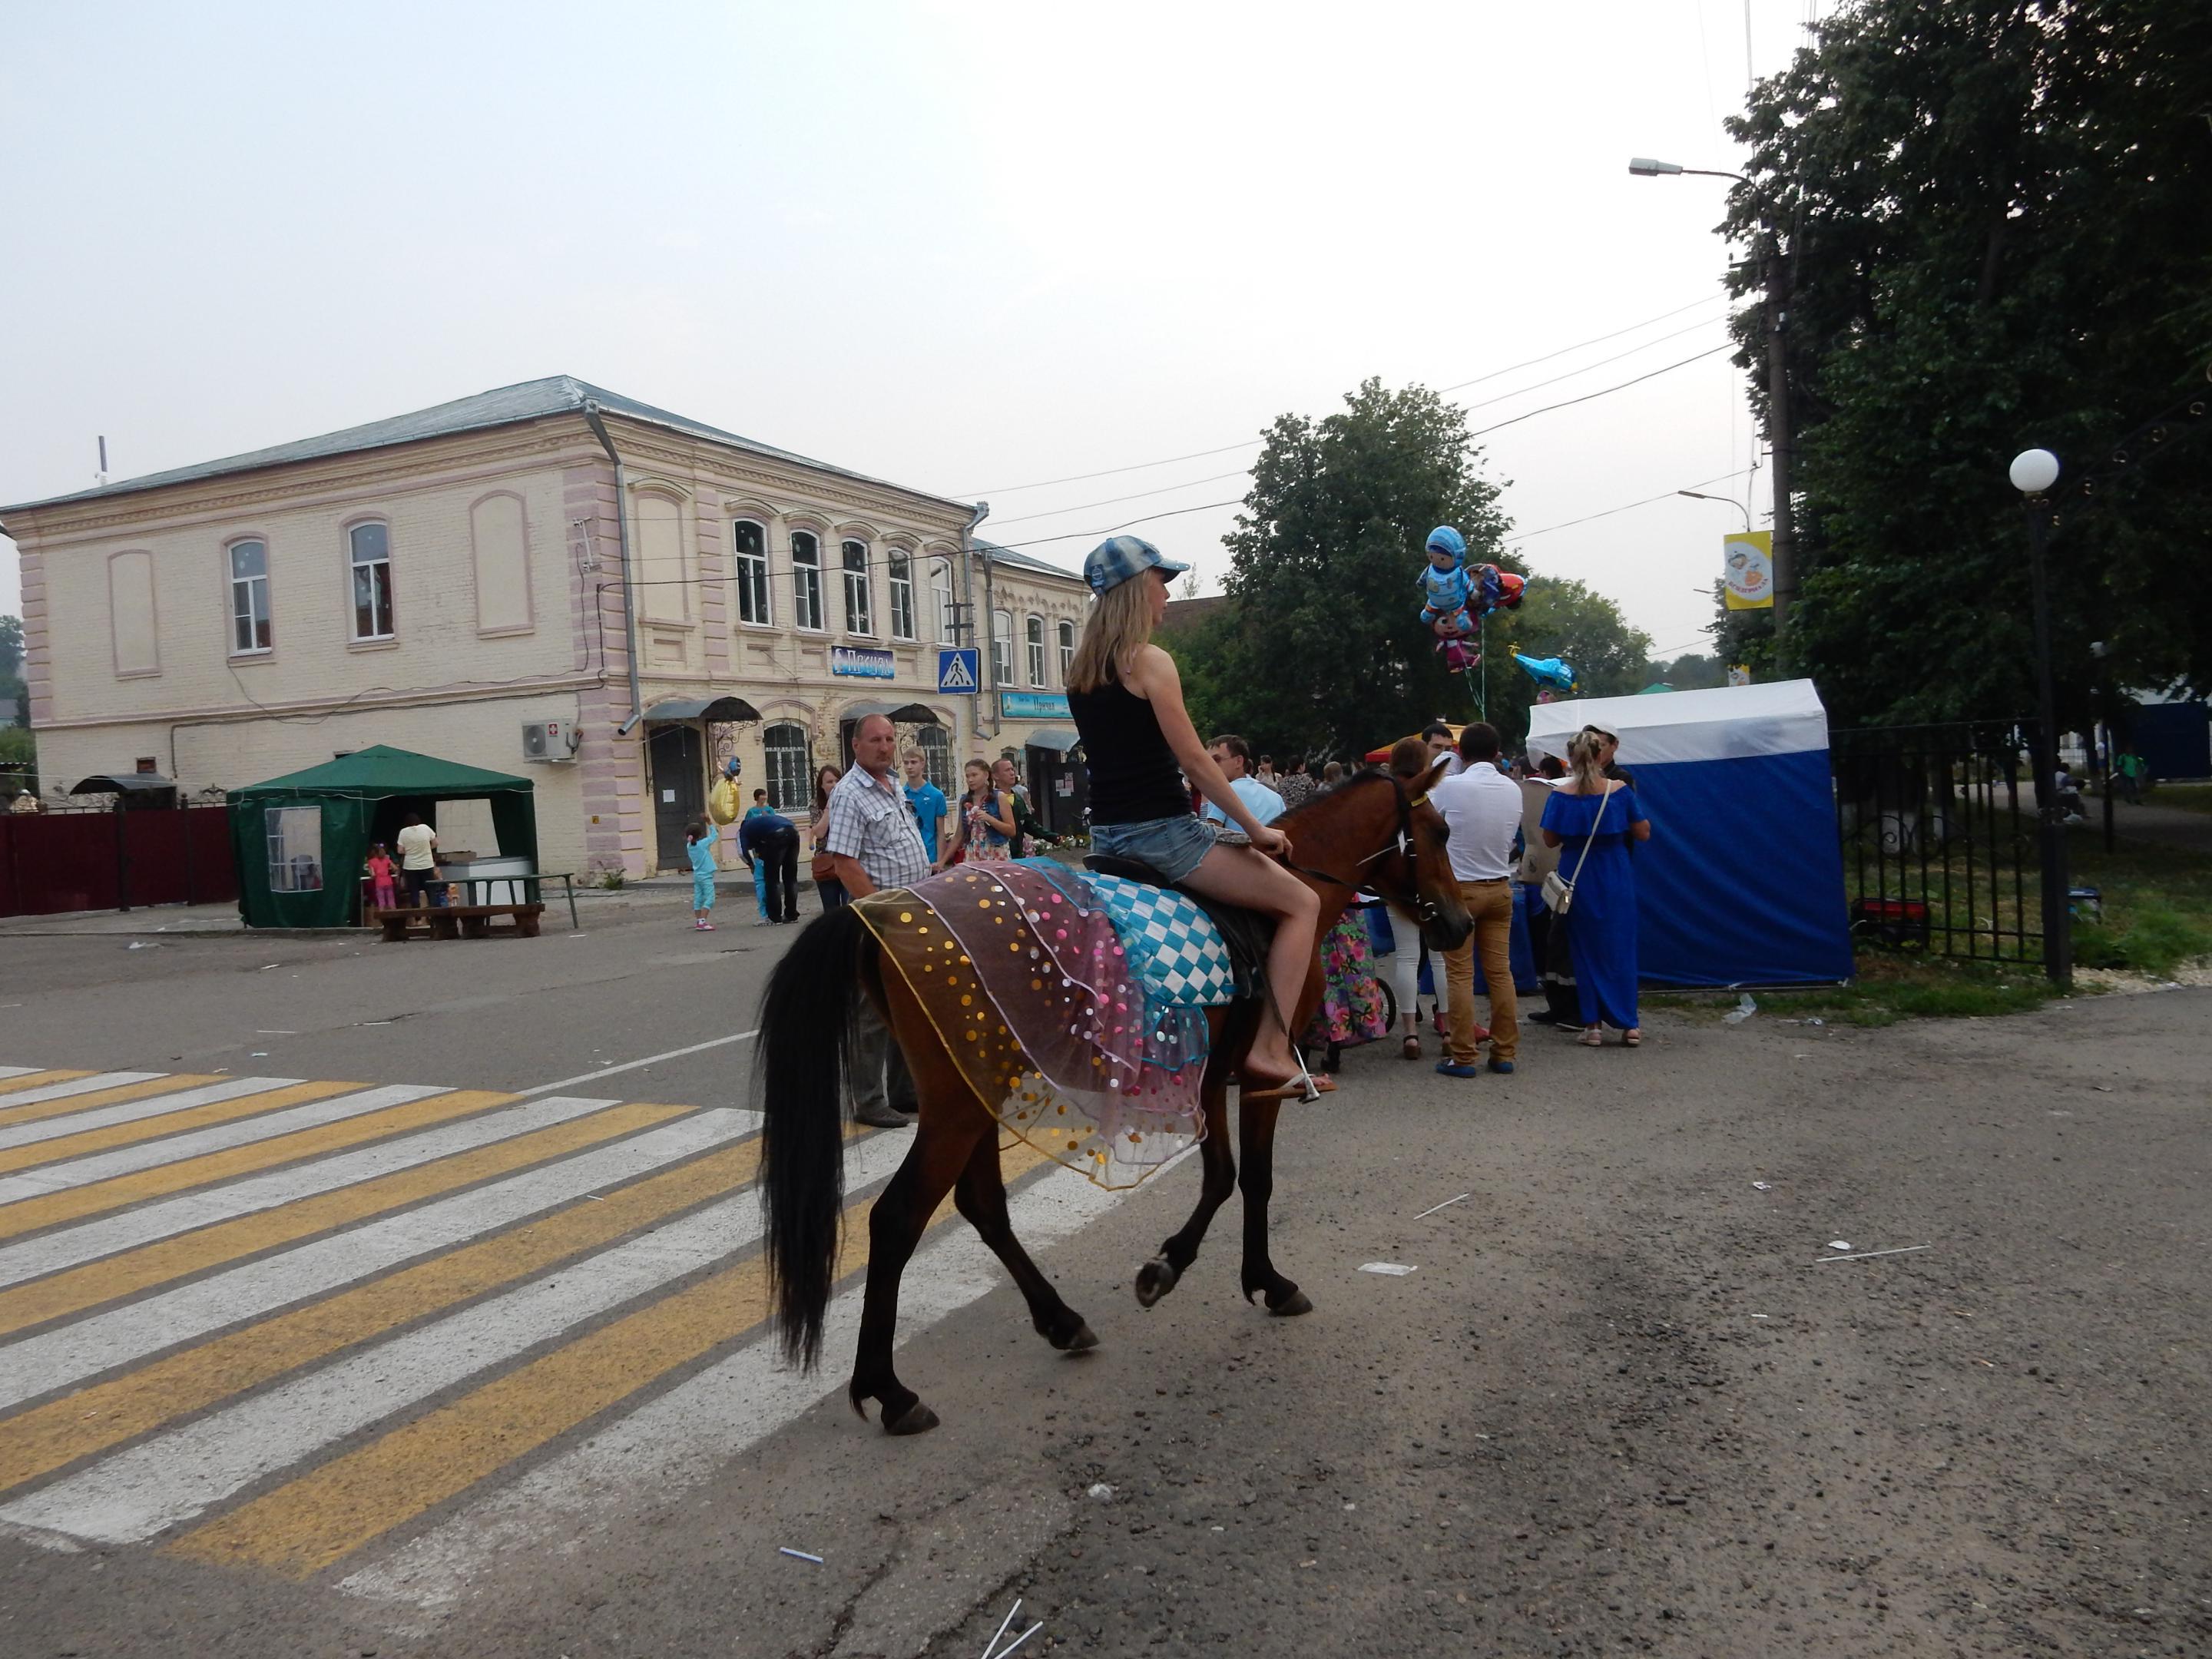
x=1778, y=393
x=2034, y=471
x=1731, y=501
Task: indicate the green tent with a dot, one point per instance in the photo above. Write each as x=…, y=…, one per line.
x=299, y=841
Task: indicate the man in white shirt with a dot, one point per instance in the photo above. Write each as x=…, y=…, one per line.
x=1442, y=747
x=1482, y=807
x=1234, y=757
x=418, y=857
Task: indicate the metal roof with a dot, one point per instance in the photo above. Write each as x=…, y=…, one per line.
x=1023, y=561
x=531, y=400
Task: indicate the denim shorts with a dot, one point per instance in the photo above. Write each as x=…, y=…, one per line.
x=1171, y=846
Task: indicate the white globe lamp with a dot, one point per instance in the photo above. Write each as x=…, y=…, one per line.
x=2034, y=471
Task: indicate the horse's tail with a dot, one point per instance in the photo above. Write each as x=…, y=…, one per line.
x=807, y=1022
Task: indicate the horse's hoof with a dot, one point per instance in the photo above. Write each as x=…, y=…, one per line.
x=1296, y=1302
x=1155, y=1279
x=1082, y=1341
x=916, y=1418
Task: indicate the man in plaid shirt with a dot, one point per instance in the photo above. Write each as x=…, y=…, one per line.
x=875, y=845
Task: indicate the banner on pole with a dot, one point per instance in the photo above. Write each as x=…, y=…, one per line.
x=1747, y=568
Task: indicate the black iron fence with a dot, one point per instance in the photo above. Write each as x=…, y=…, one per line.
x=1939, y=837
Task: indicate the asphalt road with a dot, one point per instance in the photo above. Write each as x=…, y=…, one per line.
x=1620, y=1405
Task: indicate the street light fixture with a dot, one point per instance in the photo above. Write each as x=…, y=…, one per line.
x=2033, y=472
x=1731, y=501
x=1778, y=388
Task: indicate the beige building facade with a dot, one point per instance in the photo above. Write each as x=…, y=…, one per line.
x=549, y=579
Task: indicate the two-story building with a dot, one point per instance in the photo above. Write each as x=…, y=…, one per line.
x=547, y=577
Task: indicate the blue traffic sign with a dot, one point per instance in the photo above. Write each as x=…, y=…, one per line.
x=959, y=671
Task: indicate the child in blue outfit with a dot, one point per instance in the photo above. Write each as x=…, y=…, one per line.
x=699, y=842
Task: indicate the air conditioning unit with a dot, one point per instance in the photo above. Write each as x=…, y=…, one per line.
x=547, y=740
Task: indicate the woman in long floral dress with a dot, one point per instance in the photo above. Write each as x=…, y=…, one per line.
x=1352, y=1009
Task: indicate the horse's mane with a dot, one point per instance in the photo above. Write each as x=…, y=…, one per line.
x=1364, y=775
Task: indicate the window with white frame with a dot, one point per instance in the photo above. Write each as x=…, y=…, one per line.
x=370, y=549
x=940, y=584
x=750, y=543
x=295, y=849
x=1033, y=637
x=805, y=581
x=859, y=594
x=1002, y=648
x=936, y=746
x=901, y=566
x=249, y=598
x=1066, y=651
x=784, y=746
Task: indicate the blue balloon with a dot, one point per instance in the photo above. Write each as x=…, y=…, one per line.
x=1548, y=670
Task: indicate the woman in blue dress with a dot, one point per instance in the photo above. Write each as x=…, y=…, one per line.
x=1600, y=922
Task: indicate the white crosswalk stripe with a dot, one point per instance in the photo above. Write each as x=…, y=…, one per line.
x=133, y=1111
x=80, y=1085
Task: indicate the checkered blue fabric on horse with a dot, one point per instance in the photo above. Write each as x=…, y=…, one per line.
x=1176, y=948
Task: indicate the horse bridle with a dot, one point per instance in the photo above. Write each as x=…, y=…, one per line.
x=1403, y=844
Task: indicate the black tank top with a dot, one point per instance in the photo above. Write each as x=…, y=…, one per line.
x=1134, y=775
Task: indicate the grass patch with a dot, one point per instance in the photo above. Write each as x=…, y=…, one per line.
x=2157, y=905
x=2189, y=797
x=1891, y=986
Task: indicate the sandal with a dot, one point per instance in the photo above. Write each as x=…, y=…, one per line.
x=1410, y=1049
x=1592, y=1036
x=1295, y=1089
x=1632, y=1037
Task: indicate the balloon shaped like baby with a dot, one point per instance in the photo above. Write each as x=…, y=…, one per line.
x=1456, y=595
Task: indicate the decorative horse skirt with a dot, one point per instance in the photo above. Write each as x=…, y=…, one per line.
x=1074, y=1005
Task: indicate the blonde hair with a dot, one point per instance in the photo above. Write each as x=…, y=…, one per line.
x=1583, y=763
x=1120, y=622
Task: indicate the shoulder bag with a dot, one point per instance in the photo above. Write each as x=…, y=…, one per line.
x=1558, y=893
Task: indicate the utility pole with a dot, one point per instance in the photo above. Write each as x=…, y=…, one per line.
x=1778, y=445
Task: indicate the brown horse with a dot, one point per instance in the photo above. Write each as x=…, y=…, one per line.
x=1377, y=830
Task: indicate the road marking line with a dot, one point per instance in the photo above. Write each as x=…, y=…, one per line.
x=16, y=1071
x=692, y=1432
x=426, y=1107
x=33, y=1111
x=108, y=1236
x=50, y=1360
x=139, y=1492
x=46, y=1437
x=304, y=1526
x=86, y=1287
x=55, y=1085
x=179, y=1095
x=633, y=1065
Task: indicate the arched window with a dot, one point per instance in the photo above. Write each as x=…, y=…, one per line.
x=251, y=629
x=785, y=747
x=1002, y=648
x=369, y=547
x=1033, y=634
x=805, y=581
x=940, y=584
x=936, y=746
x=901, y=595
x=1066, y=651
x=749, y=542
x=860, y=598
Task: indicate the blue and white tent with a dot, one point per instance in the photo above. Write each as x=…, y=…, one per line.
x=1743, y=880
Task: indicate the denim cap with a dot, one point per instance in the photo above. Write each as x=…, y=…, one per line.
x=1117, y=558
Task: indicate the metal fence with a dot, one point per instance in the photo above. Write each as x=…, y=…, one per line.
x=1940, y=854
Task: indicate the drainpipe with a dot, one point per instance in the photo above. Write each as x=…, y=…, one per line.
x=987, y=630
x=622, y=537
x=977, y=515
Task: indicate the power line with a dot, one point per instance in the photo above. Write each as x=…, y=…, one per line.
x=1538, y=385
x=1602, y=392
x=1200, y=454
x=1187, y=483
x=1525, y=535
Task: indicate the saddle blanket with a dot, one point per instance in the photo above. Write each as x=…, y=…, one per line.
x=1179, y=955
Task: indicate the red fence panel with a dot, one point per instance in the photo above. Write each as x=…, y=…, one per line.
x=62, y=861
x=51, y=863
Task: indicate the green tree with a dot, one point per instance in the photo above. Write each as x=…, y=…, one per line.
x=1692, y=671
x=19, y=762
x=1320, y=649
x=1997, y=236
x=1566, y=619
x=11, y=668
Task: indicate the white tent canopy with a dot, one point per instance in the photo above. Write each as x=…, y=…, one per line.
x=1729, y=722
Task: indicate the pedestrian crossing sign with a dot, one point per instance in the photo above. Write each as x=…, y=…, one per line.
x=959, y=670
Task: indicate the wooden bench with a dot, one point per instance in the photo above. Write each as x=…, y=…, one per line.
x=455, y=920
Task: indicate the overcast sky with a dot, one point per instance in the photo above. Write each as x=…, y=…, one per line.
x=966, y=246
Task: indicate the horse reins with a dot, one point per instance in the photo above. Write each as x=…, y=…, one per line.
x=1403, y=843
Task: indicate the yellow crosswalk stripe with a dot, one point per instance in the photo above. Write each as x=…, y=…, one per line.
x=75, y=1289
x=38, y=1440
x=9, y=1085
x=304, y=1526
x=11, y=1116
x=62, y=1148
x=27, y=1215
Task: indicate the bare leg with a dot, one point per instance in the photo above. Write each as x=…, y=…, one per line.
x=982, y=1196
x=1241, y=876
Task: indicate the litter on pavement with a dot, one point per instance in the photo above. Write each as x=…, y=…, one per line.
x=1102, y=1492
x=1840, y=1244
x=1744, y=1009
x=1762, y=1186
x=1446, y=1205
x=1902, y=1249
x=1388, y=1269
x=1001, y=1629
x=800, y=1555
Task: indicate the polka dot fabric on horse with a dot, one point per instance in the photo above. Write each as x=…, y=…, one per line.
x=1033, y=994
